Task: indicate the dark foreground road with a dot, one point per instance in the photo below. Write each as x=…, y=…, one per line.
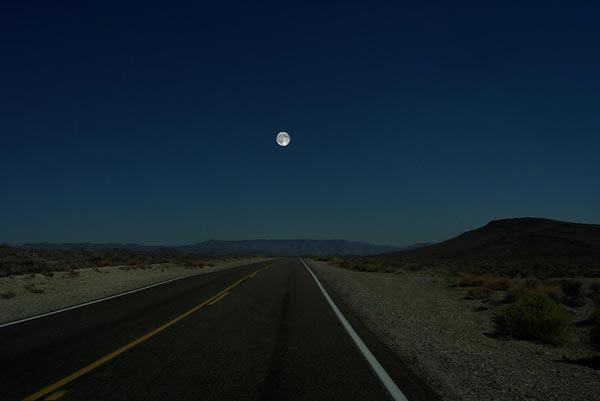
x=258, y=332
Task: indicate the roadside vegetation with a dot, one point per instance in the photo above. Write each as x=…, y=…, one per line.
x=532, y=309
x=7, y=294
x=34, y=288
x=595, y=333
x=522, y=304
x=534, y=316
x=17, y=261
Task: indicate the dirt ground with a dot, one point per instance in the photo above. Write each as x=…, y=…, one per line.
x=447, y=339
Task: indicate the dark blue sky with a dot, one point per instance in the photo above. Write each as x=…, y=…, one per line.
x=410, y=122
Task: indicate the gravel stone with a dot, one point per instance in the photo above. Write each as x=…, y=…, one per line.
x=428, y=323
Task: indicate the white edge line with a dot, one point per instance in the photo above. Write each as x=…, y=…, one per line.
x=68, y=308
x=385, y=378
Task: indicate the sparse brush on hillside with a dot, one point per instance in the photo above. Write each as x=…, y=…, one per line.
x=534, y=316
x=25, y=261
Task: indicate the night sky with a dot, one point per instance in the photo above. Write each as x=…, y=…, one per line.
x=156, y=124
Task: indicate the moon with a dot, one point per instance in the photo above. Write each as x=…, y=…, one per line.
x=283, y=139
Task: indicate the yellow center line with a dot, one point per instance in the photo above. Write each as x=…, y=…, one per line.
x=55, y=386
x=211, y=303
x=55, y=396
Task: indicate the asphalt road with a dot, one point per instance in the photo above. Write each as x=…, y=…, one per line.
x=263, y=331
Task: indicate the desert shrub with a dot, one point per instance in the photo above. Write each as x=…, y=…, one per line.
x=548, y=287
x=34, y=289
x=595, y=291
x=534, y=316
x=595, y=334
x=496, y=283
x=573, y=294
x=468, y=280
x=531, y=282
x=7, y=295
x=25, y=261
x=72, y=273
x=516, y=292
x=552, y=290
x=493, y=283
x=367, y=265
x=478, y=293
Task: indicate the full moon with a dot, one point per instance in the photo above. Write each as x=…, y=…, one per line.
x=283, y=139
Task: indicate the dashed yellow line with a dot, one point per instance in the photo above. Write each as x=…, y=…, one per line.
x=211, y=303
x=55, y=396
x=55, y=386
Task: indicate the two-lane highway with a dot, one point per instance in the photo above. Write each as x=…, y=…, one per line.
x=258, y=332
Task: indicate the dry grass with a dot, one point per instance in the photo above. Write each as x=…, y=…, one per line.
x=552, y=290
x=34, y=289
x=7, y=295
x=493, y=283
x=478, y=293
x=72, y=273
x=595, y=333
x=468, y=280
x=573, y=292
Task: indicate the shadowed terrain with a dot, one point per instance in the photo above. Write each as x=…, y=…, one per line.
x=517, y=239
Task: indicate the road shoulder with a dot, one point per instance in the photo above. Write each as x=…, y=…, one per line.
x=38, y=294
x=431, y=327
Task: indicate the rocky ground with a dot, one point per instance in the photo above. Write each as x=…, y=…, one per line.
x=29, y=295
x=442, y=335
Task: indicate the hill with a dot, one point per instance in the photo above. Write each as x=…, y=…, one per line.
x=519, y=239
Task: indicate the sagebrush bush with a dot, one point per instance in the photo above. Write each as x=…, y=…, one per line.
x=534, y=316
x=478, y=293
x=367, y=266
x=549, y=288
x=15, y=261
x=7, y=294
x=468, y=280
x=516, y=292
x=496, y=283
x=490, y=282
x=573, y=293
x=595, y=291
x=552, y=290
x=34, y=289
x=595, y=334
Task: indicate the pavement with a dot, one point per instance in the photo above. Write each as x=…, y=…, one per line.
x=263, y=331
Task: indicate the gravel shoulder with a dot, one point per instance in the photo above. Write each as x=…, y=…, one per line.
x=430, y=325
x=30, y=295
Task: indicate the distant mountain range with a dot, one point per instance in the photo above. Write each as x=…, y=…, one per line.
x=518, y=239
x=246, y=247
